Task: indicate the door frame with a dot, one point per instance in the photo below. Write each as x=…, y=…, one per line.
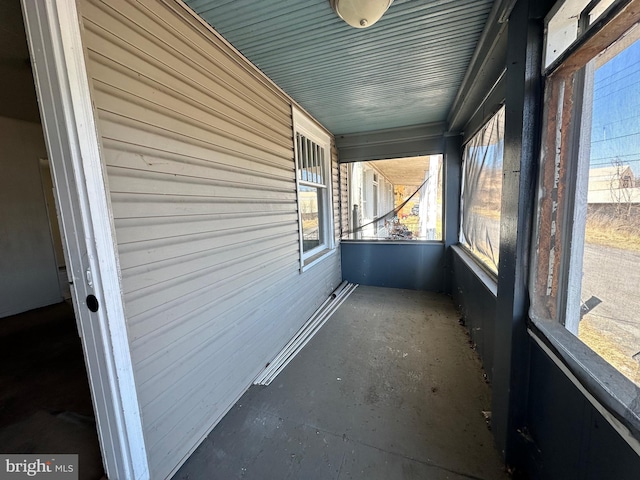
x=64, y=96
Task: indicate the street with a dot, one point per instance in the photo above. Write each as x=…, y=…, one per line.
x=613, y=275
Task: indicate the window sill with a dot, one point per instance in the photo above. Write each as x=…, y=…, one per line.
x=615, y=396
x=317, y=258
x=488, y=280
x=393, y=242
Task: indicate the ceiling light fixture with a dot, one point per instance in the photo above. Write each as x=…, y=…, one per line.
x=360, y=13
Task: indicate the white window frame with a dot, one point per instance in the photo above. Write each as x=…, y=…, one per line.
x=307, y=127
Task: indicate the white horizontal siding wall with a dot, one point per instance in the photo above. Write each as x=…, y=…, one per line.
x=344, y=199
x=336, y=190
x=199, y=155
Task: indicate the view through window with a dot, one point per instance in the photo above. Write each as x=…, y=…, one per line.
x=586, y=269
x=610, y=299
x=399, y=199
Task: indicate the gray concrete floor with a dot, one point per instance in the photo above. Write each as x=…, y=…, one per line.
x=388, y=389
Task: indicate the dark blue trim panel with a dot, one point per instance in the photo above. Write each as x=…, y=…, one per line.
x=411, y=265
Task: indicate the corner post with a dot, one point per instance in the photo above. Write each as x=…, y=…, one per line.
x=523, y=119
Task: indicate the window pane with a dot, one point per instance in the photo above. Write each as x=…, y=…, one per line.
x=310, y=199
x=610, y=298
x=399, y=199
x=300, y=141
x=311, y=161
x=305, y=159
x=482, y=192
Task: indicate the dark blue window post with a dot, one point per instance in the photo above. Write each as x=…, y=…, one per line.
x=523, y=115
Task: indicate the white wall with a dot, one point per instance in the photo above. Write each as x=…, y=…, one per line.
x=28, y=273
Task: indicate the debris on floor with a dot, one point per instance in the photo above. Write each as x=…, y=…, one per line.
x=487, y=418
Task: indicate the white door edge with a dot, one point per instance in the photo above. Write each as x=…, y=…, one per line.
x=55, y=43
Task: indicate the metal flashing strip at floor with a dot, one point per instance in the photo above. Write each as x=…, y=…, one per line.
x=306, y=333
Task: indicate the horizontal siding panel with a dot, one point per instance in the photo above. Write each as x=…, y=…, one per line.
x=154, y=25
x=131, y=230
x=193, y=311
x=344, y=199
x=198, y=40
x=202, y=364
x=179, y=106
x=224, y=382
x=198, y=153
x=187, y=350
x=229, y=61
x=213, y=278
x=170, y=262
x=157, y=81
x=123, y=59
x=152, y=183
x=130, y=106
x=144, y=158
x=126, y=205
x=335, y=186
x=155, y=250
x=129, y=144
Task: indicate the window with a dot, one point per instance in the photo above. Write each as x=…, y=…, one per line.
x=398, y=199
x=587, y=264
x=313, y=178
x=481, y=195
x=567, y=22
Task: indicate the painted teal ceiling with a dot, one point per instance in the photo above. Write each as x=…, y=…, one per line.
x=404, y=70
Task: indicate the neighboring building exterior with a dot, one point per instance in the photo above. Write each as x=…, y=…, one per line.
x=615, y=185
x=371, y=197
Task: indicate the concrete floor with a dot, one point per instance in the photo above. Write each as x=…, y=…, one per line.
x=388, y=389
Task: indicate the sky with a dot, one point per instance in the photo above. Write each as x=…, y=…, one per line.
x=615, y=132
